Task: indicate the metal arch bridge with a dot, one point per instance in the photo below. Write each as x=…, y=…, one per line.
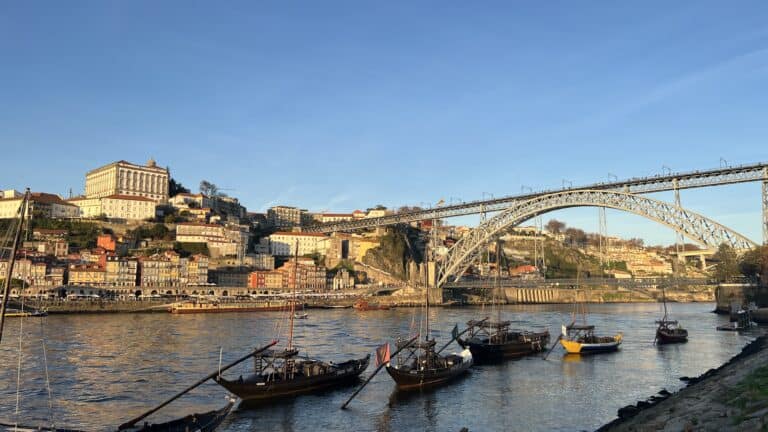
x=669, y=182
x=692, y=225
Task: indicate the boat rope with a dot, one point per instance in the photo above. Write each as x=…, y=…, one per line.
x=47, y=375
x=18, y=366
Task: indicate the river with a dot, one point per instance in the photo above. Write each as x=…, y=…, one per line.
x=104, y=369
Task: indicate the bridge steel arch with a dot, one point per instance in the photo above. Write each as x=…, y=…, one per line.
x=692, y=225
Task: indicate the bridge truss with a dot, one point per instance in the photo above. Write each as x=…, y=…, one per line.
x=692, y=225
x=640, y=185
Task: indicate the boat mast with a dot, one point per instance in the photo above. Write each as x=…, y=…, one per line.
x=426, y=283
x=497, y=285
x=664, y=300
x=12, y=259
x=293, y=301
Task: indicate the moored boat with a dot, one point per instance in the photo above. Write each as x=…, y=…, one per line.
x=420, y=366
x=581, y=339
x=217, y=307
x=202, y=422
x=12, y=312
x=495, y=341
x=281, y=374
x=363, y=305
x=670, y=331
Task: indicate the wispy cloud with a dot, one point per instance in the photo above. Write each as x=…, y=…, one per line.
x=726, y=69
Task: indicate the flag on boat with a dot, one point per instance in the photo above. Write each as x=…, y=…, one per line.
x=455, y=331
x=382, y=354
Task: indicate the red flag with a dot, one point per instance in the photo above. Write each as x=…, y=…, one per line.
x=382, y=354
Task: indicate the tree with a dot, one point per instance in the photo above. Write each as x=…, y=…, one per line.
x=727, y=266
x=576, y=236
x=555, y=226
x=754, y=263
x=208, y=188
x=175, y=188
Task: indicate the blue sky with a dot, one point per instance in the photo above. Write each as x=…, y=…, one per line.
x=344, y=105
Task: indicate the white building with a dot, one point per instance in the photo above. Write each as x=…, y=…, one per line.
x=221, y=241
x=284, y=243
x=40, y=204
x=125, y=178
x=125, y=207
x=188, y=200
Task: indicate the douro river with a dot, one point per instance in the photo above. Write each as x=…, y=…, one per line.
x=105, y=369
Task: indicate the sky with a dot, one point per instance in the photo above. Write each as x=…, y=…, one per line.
x=344, y=105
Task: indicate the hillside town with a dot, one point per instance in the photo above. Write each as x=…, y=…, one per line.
x=137, y=232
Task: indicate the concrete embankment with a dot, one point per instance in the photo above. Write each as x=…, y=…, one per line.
x=739, y=294
x=98, y=306
x=733, y=397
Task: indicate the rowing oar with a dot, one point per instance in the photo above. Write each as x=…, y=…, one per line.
x=377, y=370
x=131, y=423
x=553, y=347
x=459, y=334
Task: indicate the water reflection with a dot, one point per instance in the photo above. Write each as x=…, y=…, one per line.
x=105, y=369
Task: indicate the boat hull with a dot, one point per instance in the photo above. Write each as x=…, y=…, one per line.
x=255, y=389
x=228, y=309
x=416, y=380
x=485, y=352
x=205, y=422
x=666, y=337
x=576, y=347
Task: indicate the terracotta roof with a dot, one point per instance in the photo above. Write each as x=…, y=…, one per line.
x=41, y=197
x=128, y=197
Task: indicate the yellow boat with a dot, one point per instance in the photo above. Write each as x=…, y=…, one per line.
x=581, y=339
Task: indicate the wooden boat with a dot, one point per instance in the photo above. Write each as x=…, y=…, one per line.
x=12, y=312
x=363, y=305
x=217, y=307
x=423, y=367
x=280, y=374
x=419, y=365
x=669, y=331
x=581, y=339
x=203, y=422
x=495, y=341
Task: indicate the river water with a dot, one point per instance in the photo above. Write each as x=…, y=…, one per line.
x=104, y=369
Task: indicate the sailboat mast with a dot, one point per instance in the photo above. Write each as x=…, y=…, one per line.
x=293, y=300
x=498, y=286
x=664, y=299
x=11, y=261
x=426, y=284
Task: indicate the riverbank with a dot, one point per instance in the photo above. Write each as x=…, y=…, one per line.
x=733, y=397
x=402, y=301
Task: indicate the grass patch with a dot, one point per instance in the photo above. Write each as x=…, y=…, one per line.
x=749, y=395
